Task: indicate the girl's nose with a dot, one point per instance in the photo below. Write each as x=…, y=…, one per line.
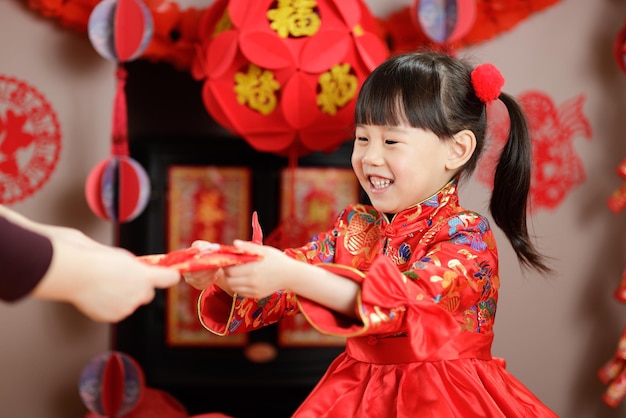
x=372, y=155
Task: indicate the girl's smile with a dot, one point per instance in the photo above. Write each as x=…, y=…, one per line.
x=399, y=166
x=379, y=183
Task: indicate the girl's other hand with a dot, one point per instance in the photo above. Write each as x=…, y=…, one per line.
x=261, y=278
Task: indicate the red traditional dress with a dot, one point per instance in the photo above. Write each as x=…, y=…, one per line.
x=421, y=346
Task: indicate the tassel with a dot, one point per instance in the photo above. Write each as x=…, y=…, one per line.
x=120, y=115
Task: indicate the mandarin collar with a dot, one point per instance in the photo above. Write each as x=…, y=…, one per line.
x=420, y=216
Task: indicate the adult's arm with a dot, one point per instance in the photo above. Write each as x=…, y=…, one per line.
x=105, y=283
x=25, y=257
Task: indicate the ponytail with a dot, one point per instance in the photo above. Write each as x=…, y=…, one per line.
x=511, y=187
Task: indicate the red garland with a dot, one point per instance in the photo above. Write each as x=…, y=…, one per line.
x=493, y=17
x=176, y=31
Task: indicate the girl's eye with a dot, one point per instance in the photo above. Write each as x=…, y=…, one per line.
x=361, y=138
x=390, y=141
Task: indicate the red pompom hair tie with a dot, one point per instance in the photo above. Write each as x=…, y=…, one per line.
x=487, y=81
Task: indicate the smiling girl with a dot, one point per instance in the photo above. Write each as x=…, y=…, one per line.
x=412, y=279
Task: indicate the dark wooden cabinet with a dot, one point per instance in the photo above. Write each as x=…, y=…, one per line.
x=169, y=126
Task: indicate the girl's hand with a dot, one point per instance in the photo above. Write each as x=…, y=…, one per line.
x=276, y=271
x=260, y=278
x=202, y=279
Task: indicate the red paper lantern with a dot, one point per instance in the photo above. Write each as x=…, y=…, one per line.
x=120, y=30
x=111, y=384
x=444, y=21
x=286, y=78
x=118, y=189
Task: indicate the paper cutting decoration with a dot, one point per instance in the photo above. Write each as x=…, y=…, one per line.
x=118, y=188
x=30, y=140
x=284, y=75
x=204, y=203
x=557, y=169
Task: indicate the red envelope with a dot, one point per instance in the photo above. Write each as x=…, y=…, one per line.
x=194, y=259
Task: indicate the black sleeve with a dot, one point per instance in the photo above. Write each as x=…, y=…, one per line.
x=24, y=259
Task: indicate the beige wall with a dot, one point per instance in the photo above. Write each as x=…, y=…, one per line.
x=43, y=346
x=555, y=333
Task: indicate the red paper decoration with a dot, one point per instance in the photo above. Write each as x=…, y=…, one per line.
x=619, y=48
x=493, y=17
x=175, y=33
x=285, y=75
x=156, y=403
x=111, y=384
x=30, y=140
x=557, y=169
x=620, y=291
x=617, y=199
x=444, y=21
x=613, y=374
x=118, y=188
x=120, y=30
x=176, y=30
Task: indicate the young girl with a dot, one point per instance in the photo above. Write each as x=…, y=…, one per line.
x=412, y=279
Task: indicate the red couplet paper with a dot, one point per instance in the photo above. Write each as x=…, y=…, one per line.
x=195, y=259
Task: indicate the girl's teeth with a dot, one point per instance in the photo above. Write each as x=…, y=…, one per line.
x=379, y=183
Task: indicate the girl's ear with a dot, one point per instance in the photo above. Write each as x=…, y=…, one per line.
x=460, y=149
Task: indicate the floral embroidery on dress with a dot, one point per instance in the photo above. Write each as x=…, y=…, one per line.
x=442, y=254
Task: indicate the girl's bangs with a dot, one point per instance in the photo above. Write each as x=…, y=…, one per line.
x=394, y=100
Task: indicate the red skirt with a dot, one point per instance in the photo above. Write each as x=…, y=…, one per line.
x=359, y=384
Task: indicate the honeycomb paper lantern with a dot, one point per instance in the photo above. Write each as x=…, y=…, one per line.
x=120, y=30
x=444, y=21
x=118, y=189
x=111, y=384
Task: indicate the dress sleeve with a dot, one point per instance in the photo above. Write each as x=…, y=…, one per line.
x=224, y=315
x=25, y=257
x=450, y=286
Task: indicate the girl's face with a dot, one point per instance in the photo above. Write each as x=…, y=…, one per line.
x=399, y=166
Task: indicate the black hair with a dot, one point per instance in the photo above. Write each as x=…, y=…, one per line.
x=433, y=91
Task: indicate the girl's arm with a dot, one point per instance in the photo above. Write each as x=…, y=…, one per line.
x=277, y=271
